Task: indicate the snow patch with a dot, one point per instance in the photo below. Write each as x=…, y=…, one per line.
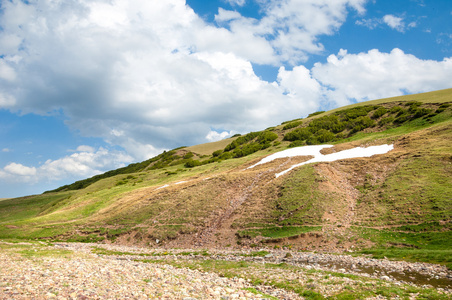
x=318, y=157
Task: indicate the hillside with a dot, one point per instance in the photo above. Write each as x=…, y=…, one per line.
x=397, y=204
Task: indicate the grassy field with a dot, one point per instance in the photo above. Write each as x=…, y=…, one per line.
x=401, y=202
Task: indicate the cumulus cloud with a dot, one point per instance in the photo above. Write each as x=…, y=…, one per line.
x=373, y=75
x=151, y=75
x=214, y=136
x=19, y=170
x=292, y=27
x=394, y=22
x=84, y=163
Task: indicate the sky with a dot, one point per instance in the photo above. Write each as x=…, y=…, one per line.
x=88, y=86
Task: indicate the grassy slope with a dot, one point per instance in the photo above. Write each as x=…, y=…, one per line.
x=403, y=208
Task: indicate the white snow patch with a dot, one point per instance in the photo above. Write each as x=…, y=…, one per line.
x=318, y=157
x=162, y=187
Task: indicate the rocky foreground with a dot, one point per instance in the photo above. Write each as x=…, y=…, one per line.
x=93, y=271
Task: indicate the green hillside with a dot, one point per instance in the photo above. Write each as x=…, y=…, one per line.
x=396, y=205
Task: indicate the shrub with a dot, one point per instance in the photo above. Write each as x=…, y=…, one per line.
x=247, y=149
x=217, y=153
x=266, y=137
x=316, y=113
x=226, y=155
x=292, y=125
x=385, y=121
x=356, y=112
x=324, y=136
x=297, y=143
x=192, y=163
x=420, y=112
x=188, y=155
x=379, y=112
x=360, y=123
x=298, y=134
x=402, y=118
x=395, y=109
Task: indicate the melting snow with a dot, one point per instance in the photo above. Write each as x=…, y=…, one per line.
x=318, y=157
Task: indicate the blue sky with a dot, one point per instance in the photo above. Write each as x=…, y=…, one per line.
x=87, y=87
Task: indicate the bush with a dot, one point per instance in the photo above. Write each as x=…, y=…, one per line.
x=247, y=149
x=298, y=134
x=324, y=136
x=188, y=155
x=395, y=109
x=226, y=155
x=420, y=112
x=217, y=153
x=379, y=112
x=360, y=123
x=292, y=125
x=192, y=163
x=266, y=137
x=316, y=113
x=297, y=143
x=385, y=121
x=356, y=112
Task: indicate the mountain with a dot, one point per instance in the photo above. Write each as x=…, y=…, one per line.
x=396, y=204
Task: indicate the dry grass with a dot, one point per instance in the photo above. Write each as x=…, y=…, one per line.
x=208, y=148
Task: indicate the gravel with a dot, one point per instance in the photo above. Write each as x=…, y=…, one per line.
x=81, y=274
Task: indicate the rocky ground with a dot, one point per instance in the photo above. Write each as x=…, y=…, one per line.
x=99, y=271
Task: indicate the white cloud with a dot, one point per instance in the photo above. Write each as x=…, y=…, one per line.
x=236, y=2
x=85, y=163
x=214, y=136
x=6, y=150
x=374, y=75
x=394, y=22
x=292, y=27
x=369, y=23
x=19, y=170
x=85, y=148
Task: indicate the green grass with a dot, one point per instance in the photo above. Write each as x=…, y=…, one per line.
x=431, y=247
x=278, y=232
x=306, y=283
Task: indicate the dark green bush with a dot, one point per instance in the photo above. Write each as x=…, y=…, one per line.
x=395, y=109
x=217, y=153
x=241, y=140
x=266, y=137
x=226, y=155
x=188, y=155
x=324, y=136
x=192, y=163
x=402, y=118
x=420, y=112
x=247, y=149
x=353, y=113
x=292, y=125
x=297, y=143
x=360, y=123
x=379, y=112
x=385, y=121
x=298, y=134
